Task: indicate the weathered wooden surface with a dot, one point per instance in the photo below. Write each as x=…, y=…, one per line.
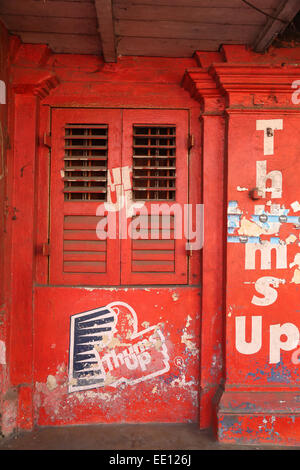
x=169, y=28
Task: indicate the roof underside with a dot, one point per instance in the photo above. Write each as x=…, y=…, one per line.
x=169, y=28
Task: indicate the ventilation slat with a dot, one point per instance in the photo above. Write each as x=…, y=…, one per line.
x=86, y=168
x=91, y=158
x=154, y=162
x=85, y=144
x=84, y=178
x=84, y=189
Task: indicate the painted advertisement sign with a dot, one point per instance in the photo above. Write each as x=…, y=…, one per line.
x=106, y=348
x=264, y=252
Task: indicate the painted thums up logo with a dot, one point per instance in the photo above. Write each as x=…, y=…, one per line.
x=106, y=349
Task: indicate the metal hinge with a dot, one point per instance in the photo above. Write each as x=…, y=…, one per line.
x=191, y=141
x=47, y=140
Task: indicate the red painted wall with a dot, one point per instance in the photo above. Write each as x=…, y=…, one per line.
x=40, y=356
x=229, y=91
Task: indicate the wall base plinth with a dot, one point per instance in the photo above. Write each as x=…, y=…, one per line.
x=268, y=417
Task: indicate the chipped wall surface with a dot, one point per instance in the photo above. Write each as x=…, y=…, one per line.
x=137, y=372
x=143, y=353
x=264, y=250
x=145, y=367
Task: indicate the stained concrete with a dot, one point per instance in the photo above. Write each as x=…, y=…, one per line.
x=122, y=437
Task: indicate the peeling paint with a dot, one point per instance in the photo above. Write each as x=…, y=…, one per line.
x=290, y=239
x=250, y=229
x=295, y=206
x=2, y=353
x=296, y=277
x=51, y=382
x=186, y=338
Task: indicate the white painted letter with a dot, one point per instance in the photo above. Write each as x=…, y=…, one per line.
x=295, y=94
x=261, y=178
x=263, y=286
x=276, y=331
x=269, y=126
x=265, y=253
x=240, y=335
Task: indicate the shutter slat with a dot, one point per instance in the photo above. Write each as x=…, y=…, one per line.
x=82, y=157
x=83, y=252
x=153, y=244
x=84, y=245
x=159, y=256
x=84, y=267
x=152, y=266
x=82, y=141
x=84, y=256
x=84, y=235
x=84, y=190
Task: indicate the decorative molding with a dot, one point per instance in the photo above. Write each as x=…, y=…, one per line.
x=202, y=88
x=255, y=85
x=41, y=89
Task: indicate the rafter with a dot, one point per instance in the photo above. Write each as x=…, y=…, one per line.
x=286, y=11
x=106, y=29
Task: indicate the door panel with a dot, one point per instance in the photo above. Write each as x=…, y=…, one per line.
x=85, y=144
x=154, y=146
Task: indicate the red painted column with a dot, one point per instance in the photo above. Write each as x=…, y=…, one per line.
x=21, y=362
x=261, y=400
x=24, y=107
x=4, y=236
x=203, y=88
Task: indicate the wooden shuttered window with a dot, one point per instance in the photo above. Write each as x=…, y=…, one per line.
x=84, y=142
x=89, y=148
x=155, y=145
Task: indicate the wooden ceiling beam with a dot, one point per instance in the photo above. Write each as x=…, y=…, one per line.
x=286, y=11
x=106, y=29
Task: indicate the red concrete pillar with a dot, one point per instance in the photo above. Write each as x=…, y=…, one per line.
x=261, y=401
x=4, y=208
x=28, y=88
x=21, y=361
x=203, y=88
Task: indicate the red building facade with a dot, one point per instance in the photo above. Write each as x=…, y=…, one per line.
x=123, y=328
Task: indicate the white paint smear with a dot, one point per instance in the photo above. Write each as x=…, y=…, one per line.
x=295, y=206
x=2, y=353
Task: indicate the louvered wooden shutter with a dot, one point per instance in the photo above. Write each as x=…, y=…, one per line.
x=155, y=147
x=85, y=144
